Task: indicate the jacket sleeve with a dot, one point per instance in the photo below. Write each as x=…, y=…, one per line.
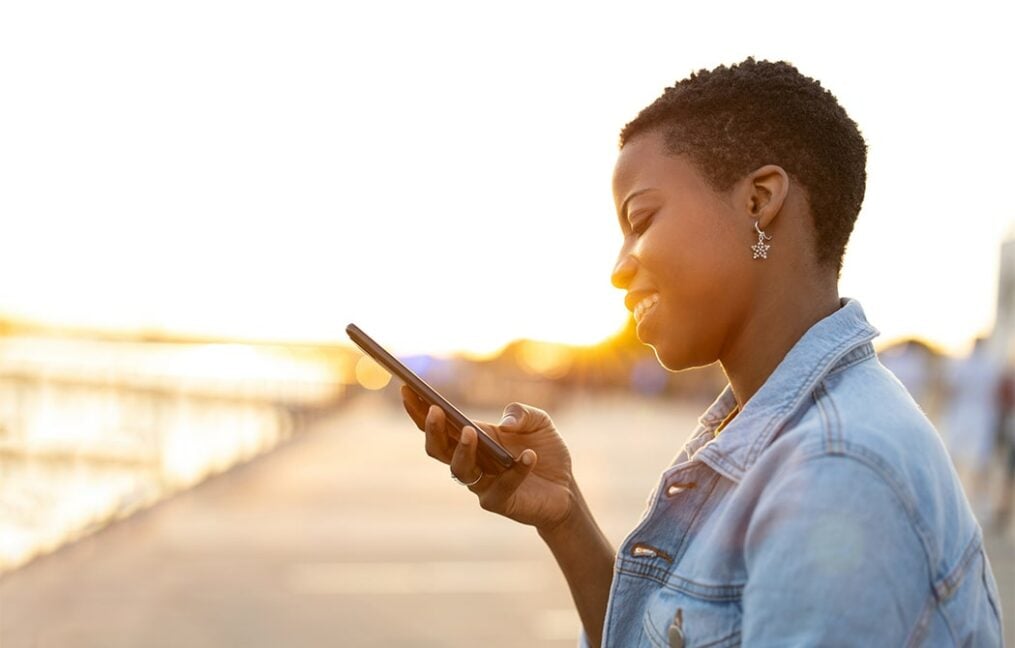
x=833, y=559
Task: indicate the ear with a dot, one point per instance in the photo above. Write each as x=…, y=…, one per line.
x=766, y=190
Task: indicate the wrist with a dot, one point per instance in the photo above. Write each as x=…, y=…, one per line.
x=577, y=516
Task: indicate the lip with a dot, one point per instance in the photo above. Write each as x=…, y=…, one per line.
x=644, y=313
x=634, y=298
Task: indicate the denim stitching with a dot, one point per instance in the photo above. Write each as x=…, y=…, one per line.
x=877, y=465
x=805, y=388
x=867, y=352
x=656, y=501
x=826, y=425
x=651, y=633
x=919, y=631
x=678, y=553
x=950, y=582
x=725, y=466
x=649, y=572
x=948, y=624
x=994, y=603
x=881, y=467
x=611, y=601
x=835, y=419
x=712, y=416
x=910, y=507
x=722, y=593
x=725, y=641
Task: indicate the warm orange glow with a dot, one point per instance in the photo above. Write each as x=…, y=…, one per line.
x=371, y=375
x=544, y=359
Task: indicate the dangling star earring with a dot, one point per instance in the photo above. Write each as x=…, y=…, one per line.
x=760, y=248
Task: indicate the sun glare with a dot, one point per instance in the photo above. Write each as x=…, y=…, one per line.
x=455, y=203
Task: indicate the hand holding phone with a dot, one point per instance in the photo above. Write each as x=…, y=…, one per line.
x=491, y=457
x=538, y=489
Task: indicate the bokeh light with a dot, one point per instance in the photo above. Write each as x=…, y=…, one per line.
x=371, y=375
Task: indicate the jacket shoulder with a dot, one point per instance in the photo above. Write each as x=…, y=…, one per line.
x=863, y=413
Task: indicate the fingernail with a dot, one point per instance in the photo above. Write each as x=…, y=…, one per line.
x=507, y=420
x=527, y=458
x=466, y=438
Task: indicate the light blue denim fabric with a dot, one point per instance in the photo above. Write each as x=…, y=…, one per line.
x=826, y=513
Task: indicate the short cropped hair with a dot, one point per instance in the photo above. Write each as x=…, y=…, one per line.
x=732, y=120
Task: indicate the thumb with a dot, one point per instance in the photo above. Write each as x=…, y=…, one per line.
x=513, y=414
x=518, y=416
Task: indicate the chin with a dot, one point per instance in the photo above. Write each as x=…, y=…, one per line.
x=680, y=359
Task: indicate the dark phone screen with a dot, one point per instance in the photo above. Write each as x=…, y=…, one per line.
x=492, y=457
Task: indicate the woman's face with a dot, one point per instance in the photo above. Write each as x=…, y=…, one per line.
x=686, y=258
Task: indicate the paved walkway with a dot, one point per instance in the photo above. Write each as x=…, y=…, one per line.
x=347, y=535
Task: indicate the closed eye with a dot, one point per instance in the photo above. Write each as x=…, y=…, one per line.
x=641, y=224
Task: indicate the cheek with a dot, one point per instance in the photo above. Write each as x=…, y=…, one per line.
x=691, y=269
x=701, y=284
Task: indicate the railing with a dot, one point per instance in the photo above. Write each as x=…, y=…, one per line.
x=92, y=431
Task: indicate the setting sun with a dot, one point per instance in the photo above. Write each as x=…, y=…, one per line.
x=446, y=188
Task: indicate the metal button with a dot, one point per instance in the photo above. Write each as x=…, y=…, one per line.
x=676, y=631
x=642, y=550
x=679, y=487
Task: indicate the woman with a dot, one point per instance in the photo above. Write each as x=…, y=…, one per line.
x=814, y=503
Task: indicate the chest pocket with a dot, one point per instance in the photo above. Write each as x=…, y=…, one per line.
x=685, y=613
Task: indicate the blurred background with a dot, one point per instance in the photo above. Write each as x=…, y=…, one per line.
x=198, y=197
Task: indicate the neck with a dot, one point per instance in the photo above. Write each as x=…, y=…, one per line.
x=778, y=322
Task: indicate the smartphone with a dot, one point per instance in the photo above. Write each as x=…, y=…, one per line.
x=491, y=457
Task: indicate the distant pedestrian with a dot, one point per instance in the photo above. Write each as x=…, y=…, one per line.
x=971, y=419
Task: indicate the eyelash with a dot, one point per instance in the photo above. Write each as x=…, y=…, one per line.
x=642, y=225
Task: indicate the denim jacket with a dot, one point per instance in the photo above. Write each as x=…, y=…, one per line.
x=826, y=513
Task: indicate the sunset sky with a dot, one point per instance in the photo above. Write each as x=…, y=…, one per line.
x=439, y=173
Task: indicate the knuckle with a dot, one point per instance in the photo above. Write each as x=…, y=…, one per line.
x=538, y=413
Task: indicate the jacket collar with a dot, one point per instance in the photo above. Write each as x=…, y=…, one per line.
x=842, y=338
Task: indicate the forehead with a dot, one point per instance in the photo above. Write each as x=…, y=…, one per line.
x=638, y=158
x=644, y=163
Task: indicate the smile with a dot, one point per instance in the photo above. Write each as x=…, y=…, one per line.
x=644, y=306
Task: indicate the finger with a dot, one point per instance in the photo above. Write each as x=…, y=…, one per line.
x=523, y=418
x=438, y=444
x=490, y=430
x=415, y=407
x=463, y=461
x=496, y=496
x=414, y=398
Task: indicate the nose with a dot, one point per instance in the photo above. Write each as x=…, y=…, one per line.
x=624, y=271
